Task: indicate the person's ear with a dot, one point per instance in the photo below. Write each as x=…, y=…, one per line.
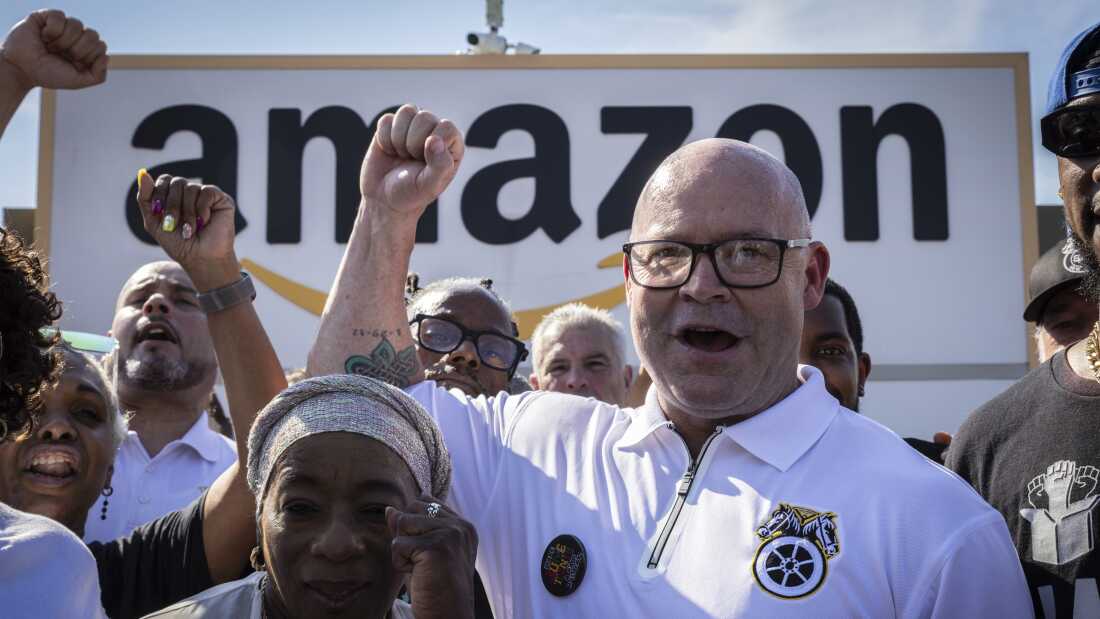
x=864, y=369
x=817, y=271
x=534, y=380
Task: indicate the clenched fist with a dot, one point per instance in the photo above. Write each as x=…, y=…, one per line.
x=412, y=159
x=51, y=50
x=436, y=548
x=193, y=224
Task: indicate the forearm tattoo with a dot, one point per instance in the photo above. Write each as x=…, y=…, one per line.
x=386, y=364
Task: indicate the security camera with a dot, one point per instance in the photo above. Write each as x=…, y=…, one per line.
x=523, y=48
x=486, y=43
x=492, y=42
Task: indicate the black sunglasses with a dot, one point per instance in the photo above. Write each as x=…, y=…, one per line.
x=1072, y=132
x=443, y=335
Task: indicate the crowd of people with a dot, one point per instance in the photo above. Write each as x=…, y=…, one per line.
x=410, y=470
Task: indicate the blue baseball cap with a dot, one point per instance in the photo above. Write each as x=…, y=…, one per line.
x=1065, y=87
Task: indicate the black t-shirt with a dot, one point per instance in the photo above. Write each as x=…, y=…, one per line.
x=158, y=564
x=1033, y=452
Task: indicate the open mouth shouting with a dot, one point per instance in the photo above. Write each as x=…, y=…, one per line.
x=156, y=331
x=51, y=466
x=706, y=338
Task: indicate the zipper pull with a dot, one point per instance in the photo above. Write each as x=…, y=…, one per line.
x=684, y=485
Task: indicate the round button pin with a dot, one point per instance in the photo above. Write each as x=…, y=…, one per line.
x=563, y=565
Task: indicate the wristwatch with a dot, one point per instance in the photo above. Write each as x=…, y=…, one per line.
x=223, y=298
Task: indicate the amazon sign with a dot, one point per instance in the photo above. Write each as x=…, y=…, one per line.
x=916, y=170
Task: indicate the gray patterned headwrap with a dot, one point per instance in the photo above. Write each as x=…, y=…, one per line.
x=348, y=403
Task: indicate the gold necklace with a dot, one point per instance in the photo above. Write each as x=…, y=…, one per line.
x=1092, y=344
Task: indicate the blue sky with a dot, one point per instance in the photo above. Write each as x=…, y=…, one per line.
x=592, y=26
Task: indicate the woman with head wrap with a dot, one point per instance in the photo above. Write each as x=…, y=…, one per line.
x=337, y=538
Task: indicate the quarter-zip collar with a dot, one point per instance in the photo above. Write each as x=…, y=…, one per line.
x=779, y=435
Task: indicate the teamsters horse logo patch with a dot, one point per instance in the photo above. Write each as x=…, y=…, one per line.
x=794, y=557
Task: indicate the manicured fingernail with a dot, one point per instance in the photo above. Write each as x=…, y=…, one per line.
x=437, y=146
x=158, y=207
x=140, y=173
x=186, y=231
x=199, y=223
x=169, y=224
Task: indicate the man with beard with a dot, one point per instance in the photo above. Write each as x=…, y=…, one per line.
x=1033, y=451
x=740, y=488
x=580, y=350
x=1061, y=312
x=164, y=371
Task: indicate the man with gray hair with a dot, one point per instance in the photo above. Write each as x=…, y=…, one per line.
x=580, y=350
x=740, y=488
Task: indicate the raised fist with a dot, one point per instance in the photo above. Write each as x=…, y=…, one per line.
x=51, y=50
x=412, y=159
x=192, y=222
x=1036, y=492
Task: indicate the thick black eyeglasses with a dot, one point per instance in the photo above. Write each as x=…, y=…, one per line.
x=441, y=335
x=739, y=263
x=1072, y=132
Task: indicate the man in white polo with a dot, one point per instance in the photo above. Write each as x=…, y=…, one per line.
x=740, y=488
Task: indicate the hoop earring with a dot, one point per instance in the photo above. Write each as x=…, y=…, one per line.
x=257, y=559
x=107, y=492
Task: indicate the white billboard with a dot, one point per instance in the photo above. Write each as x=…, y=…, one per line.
x=917, y=170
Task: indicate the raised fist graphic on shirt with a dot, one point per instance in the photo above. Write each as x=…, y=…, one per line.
x=1064, y=489
x=1060, y=515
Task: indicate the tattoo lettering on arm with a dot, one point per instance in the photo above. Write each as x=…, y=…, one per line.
x=385, y=363
x=375, y=332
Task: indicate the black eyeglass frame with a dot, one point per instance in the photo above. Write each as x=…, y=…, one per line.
x=1048, y=126
x=472, y=335
x=709, y=249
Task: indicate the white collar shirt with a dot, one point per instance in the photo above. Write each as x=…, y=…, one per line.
x=805, y=509
x=145, y=488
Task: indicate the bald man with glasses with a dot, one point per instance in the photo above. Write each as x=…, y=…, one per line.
x=740, y=487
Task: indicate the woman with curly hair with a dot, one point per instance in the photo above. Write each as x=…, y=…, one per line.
x=36, y=553
x=45, y=570
x=27, y=361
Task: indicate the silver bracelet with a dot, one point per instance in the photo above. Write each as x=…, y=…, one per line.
x=240, y=291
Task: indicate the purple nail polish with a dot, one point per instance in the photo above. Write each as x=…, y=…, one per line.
x=199, y=223
x=158, y=207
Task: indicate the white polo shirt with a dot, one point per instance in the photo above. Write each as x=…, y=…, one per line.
x=806, y=509
x=147, y=488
